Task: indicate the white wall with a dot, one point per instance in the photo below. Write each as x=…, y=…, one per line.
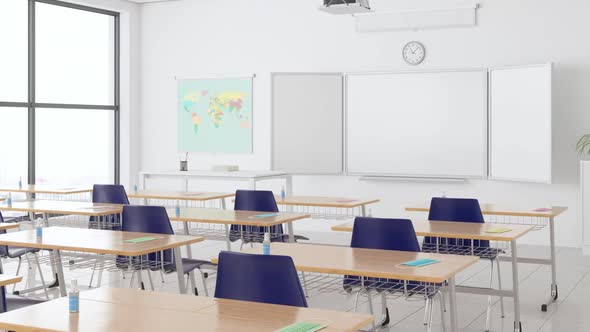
x=192, y=37
x=130, y=82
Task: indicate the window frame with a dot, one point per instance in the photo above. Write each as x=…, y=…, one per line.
x=32, y=105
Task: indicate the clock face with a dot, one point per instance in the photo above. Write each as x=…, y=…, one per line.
x=414, y=53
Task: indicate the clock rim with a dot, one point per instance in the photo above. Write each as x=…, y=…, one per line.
x=423, y=51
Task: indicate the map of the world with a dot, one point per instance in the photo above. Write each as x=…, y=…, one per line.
x=215, y=115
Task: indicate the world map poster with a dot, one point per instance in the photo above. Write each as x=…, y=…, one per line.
x=215, y=115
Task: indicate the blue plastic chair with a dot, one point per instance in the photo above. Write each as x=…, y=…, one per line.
x=259, y=278
x=154, y=219
x=458, y=210
x=109, y=194
x=19, y=252
x=384, y=234
x=463, y=210
x=257, y=200
x=389, y=234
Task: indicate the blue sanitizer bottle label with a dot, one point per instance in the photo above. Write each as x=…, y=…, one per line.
x=39, y=231
x=74, y=300
x=266, y=249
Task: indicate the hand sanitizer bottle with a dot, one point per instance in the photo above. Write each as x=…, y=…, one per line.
x=135, y=188
x=283, y=193
x=266, y=244
x=20, y=182
x=9, y=200
x=177, y=210
x=39, y=228
x=74, y=297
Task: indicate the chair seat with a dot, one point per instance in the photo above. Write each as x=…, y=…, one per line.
x=14, y=252
x=16, y=302
x=189, y=264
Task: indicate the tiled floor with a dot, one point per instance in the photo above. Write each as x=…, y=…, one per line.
x=569, y=314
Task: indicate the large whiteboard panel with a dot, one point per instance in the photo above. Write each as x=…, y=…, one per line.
x=307, y=122
x=520, y=123
x=430, y=124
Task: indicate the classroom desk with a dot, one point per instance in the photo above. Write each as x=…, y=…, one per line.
x=327, y=202
x=550, y=213
x=233, y=217
x=96, y=241
x=123, y=310
x=8, y=225
x=49, y=192
x=473, y=231
x=252, y=177
x=63, y=207
x=180, y=196
x=375, y=263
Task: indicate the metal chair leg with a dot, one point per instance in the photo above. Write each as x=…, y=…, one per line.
x=489, y=309
x=204, y=280
x=41, y=275
x=500, y=288
x=192, y=282
x=132, y=278
x=149, y=273
x=356, y=300
x=92, y=275
x=17, y=272
x=427, y=306
x=430, y=305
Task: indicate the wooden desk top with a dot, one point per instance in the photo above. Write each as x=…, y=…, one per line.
x=63, y=207
x=8, y=225
x=44, y=189
x=458, y=230
x=502, y=210
x=320, y=201
x=368, y=262
x=9, y=280
x=95, y=241
x=219, y=174
x=178, y=195
x=135, y=310
x=246, y=218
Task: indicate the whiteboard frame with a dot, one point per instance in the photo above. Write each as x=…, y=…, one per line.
x=485, y=165
x=272, y=116
x=490, y=177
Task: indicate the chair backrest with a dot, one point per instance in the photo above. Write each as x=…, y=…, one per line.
x=109, y=193
x=149, y=219
x=3, y=307
x=259, y=278
x=455, y=209
x=385, y=234
x=255, y=200
x=459, y=210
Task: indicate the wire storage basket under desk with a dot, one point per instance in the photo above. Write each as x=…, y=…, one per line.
x=328, y=213
x=322, y=283
x=538, y=223
x=465, y=247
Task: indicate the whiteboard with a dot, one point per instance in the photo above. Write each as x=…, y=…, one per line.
x=307, y=116
x=520, y=123
x=425, y=124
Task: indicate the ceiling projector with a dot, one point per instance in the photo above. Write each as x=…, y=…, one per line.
x=350, y=7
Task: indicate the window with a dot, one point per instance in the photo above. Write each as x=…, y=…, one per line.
x=59, y=99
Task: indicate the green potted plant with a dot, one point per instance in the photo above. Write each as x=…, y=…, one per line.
x=583, y=145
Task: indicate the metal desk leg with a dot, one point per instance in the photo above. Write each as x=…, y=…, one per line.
x=554, y=294
x=226, y=226
x=515, y=282
x=290, y=232
x=363, y=211
x=453, y=305
x=252, y=184
x=179, y=270
x=55, y=281
x=60, y=272
x=189, y=252
x=288, y=185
